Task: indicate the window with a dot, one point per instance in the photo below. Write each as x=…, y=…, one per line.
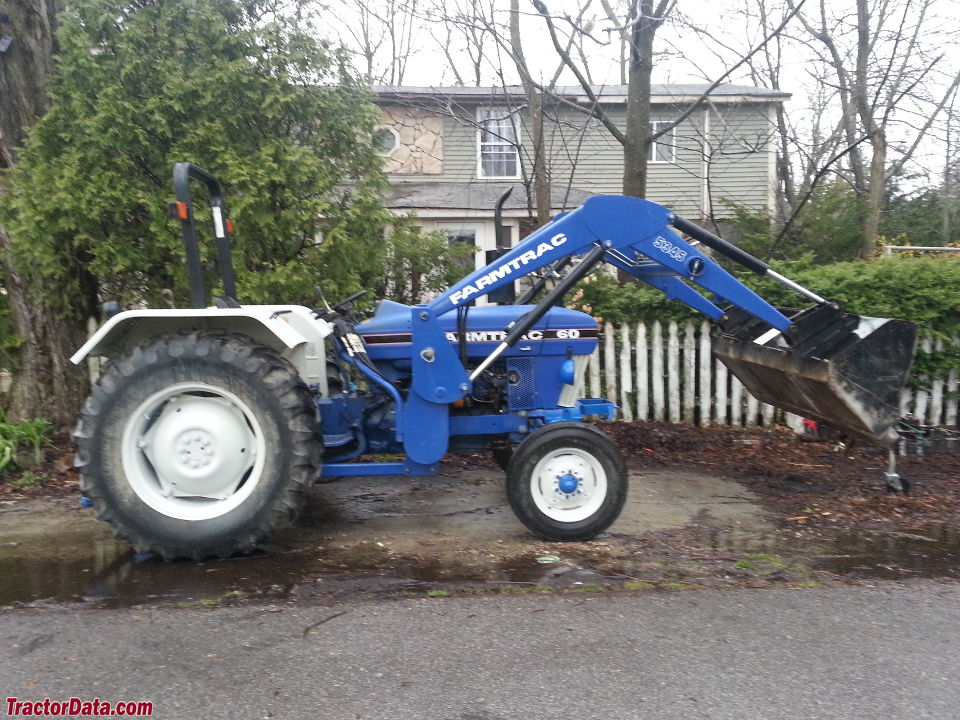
x=498, y=143
x=663, y=149
x=462, y=234
x=385, y=139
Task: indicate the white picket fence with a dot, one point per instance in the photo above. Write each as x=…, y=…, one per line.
x=674, y=377
x=670, y=374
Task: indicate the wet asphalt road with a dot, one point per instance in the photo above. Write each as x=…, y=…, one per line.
x=846, y=653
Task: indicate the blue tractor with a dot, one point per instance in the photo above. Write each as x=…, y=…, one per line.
x=208, y=425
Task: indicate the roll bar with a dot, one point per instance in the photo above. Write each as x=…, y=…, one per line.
x=183, y=210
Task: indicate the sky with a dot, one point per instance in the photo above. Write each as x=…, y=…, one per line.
x=683, y=55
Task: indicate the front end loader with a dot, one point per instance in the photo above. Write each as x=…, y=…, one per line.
x=209, y=424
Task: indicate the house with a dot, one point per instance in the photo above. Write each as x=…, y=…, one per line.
x=451, y=152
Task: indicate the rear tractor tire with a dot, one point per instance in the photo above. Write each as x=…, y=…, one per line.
x=197, y=445
x=567, y=482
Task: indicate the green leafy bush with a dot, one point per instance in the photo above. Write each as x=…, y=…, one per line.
x=10, y=341
x=602, y=296
x=22, y=443
x=828, y=228
x=924, y=289
x=244, y=89
x=419, y=262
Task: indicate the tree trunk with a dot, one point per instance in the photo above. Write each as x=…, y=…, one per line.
x=25, y=69
x=541, y=175
x=946, y=193
x=945, y=229
x=637, y=141
x=877, y=132
x=45, y=383
x=784, y=168
x=878, y=167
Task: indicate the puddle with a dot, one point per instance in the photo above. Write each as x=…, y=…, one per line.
x=105, y=573
x=52, y=553
x=386, y=536
x=927, y=551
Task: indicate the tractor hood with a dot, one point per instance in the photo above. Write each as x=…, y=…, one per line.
x=560, y=331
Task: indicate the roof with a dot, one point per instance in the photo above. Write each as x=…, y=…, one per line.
x=474, y=196
x=659, y=93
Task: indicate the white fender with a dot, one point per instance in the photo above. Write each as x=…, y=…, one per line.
x=293, y=330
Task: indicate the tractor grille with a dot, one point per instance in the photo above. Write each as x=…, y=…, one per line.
x=522, y=394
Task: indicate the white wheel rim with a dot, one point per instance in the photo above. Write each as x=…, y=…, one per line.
x=568, y=485
x=193, y=451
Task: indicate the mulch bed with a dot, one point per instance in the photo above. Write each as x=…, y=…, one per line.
x=810, y=483
x=53, y=475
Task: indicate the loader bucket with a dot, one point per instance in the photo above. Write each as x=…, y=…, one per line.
x=848, y=374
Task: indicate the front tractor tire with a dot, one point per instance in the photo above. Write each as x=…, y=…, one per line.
x=567, y=482
x=198, y=445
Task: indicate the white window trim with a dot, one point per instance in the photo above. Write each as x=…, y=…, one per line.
x=672, y=134
x=511, y=113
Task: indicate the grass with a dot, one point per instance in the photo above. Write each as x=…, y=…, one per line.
x=522, y=589
x=763, y=564
x=586, y=588
x=205, y=602
x=22, y=443
x=638, y=585
x=27, y=480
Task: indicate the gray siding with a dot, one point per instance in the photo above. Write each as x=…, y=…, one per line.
x=582, y=154
x=460, y=157
x=599, y=164
x=740, y=171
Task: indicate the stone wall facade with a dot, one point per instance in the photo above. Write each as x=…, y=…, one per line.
x=419, y=150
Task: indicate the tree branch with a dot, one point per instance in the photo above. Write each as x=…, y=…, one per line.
x=809, y=193
x=584, y=83
x=716, y=83
x=895, y=168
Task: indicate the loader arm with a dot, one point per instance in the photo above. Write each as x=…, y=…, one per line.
x=820, y=362
x=635, y=236
x=630, y=233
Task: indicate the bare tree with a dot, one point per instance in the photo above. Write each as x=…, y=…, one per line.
x=383, y=33
x=765, y=70
x=621, y=22
x=638, y=135
x=951, y=174
x=481, y=37
x=541, y=181
x=492, y=46
x=460, y=29
x=644, y=18
x=884, y=61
